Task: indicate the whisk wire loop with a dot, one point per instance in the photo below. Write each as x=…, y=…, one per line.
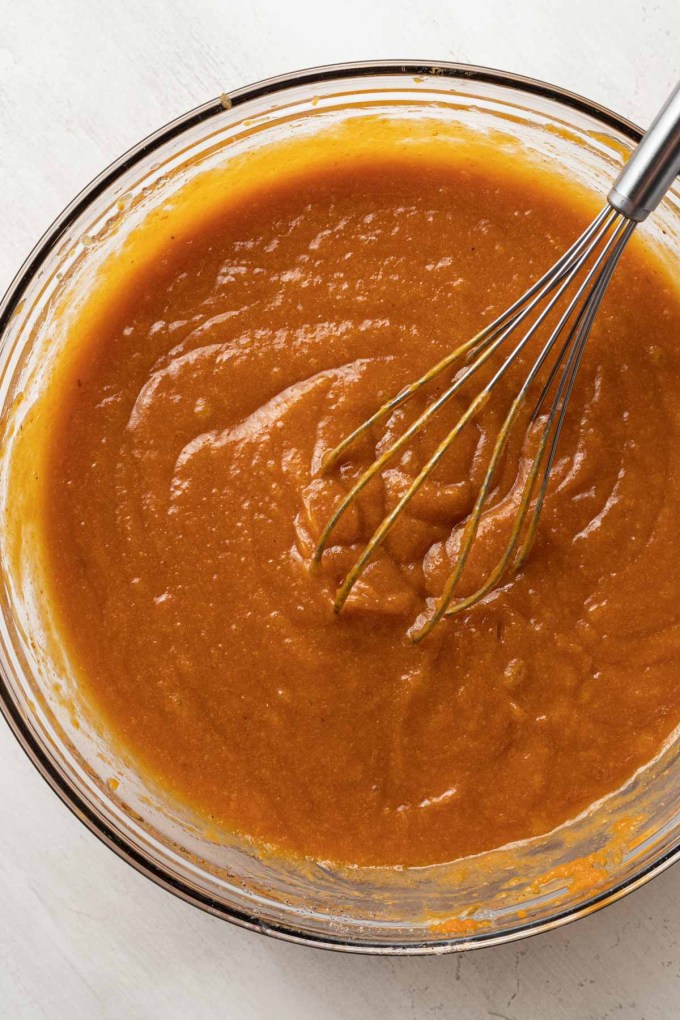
x=604, y=238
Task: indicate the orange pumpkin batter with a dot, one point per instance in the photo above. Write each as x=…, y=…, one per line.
x=181, y=512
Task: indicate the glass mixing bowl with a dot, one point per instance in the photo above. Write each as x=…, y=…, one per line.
x=532, y=886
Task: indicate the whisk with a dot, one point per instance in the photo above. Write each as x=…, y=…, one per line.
x=580, y=277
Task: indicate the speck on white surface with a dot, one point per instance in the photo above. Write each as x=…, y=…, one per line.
x=82, y=936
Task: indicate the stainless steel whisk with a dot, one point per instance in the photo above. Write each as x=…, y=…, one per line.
x=588, y=267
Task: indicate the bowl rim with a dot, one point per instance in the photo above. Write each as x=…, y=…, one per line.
x=13, y=296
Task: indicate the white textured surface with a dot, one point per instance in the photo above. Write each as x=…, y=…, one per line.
x=81, y=935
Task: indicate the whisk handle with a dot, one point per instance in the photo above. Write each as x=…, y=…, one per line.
x=653, y=166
